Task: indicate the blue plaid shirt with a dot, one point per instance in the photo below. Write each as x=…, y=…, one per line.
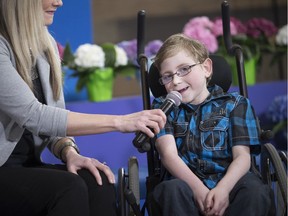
x=206, y=133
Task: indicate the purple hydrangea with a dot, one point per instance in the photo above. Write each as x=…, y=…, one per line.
x=258, y=26
x=130, y=48
x=152, y=48
x=277, y=111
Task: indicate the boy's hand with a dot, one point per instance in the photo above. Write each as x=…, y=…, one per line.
x=216, y=202
x=200, y=194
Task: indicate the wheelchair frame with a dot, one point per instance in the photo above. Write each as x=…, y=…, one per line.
x=273, y=163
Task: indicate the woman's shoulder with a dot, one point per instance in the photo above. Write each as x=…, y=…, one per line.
x=3, y=41
x=6, y=49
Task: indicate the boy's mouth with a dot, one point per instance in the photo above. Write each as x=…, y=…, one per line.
x=182, y=90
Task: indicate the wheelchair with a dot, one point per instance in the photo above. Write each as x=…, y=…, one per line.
x=271, y=165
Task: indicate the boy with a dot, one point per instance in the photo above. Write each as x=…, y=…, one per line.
x=206, y=142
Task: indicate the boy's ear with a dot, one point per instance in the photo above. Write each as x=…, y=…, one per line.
x=207, y=64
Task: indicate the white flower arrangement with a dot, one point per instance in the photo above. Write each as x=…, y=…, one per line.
x=121, y=57
x=92, y=55
x=282, y=36
x=89, y=55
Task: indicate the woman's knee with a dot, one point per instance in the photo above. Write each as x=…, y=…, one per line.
x=102, y=198
x=72, y=184
x=77, y=183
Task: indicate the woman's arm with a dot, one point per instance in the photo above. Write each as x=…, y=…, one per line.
x=85, y=124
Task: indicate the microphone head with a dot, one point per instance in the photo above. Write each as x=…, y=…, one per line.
x=175, y=97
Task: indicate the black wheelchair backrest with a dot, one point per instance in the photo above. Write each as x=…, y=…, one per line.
x=222, y=76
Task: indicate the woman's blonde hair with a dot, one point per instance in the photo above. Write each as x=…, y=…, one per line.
x=22, y=24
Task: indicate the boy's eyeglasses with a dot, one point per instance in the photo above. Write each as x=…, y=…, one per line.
x=183, y=71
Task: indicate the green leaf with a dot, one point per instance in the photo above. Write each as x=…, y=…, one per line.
x=128, y=70
x=81, y=83
x=110, y=54
x=68, y=57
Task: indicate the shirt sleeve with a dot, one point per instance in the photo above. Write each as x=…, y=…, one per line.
x=244, y=127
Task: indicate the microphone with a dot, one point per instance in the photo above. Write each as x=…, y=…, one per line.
x=141, y=140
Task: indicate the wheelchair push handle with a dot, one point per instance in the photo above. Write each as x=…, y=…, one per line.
x=233, y=49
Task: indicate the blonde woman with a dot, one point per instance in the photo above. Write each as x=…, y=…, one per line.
x=33, y=117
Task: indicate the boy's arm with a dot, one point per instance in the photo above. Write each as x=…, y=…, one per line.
x=239, y=167
x=166, y=147
x=218, y=198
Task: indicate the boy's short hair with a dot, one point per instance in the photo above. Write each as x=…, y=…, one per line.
x=179, y=42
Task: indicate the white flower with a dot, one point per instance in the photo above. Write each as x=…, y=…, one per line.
x=281, y=37
x=121, y=56
x=89, y=55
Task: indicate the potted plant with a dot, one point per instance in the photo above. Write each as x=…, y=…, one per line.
x=96, y=67
x=256, y=36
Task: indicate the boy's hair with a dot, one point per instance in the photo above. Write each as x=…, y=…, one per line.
x=22, y=25
x=180, y=42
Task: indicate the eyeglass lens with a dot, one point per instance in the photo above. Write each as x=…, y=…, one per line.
x=183, y=71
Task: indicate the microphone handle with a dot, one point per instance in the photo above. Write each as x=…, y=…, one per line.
x=141, y=139
x=141, y=142
x=167, y=106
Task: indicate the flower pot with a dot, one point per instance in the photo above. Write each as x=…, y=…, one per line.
x=100, y=85
x=250, y=70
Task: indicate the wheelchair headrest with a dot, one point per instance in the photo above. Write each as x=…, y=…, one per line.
x=222, y=76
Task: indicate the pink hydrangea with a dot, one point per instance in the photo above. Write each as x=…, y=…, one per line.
x=239, y=25
x=200, y=28
x=60, y=49
x=217, y=28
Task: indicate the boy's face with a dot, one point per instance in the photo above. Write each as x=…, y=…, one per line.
x=192, y=86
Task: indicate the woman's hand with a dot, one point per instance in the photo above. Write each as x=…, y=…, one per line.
x=75, y=161
x=144, y=121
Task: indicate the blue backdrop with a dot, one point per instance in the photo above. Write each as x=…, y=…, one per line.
x=73, y=24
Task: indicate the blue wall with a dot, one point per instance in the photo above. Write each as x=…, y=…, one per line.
x=73, y=24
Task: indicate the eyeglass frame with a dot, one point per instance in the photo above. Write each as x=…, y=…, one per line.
x=177, y=73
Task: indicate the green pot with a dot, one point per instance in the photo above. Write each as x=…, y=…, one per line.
x=250, y=70
x=100, y=85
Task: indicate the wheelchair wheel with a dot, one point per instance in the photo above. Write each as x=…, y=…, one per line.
x=274, y=174
x=283, y=157
x=133, y=180
x=121, y=195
